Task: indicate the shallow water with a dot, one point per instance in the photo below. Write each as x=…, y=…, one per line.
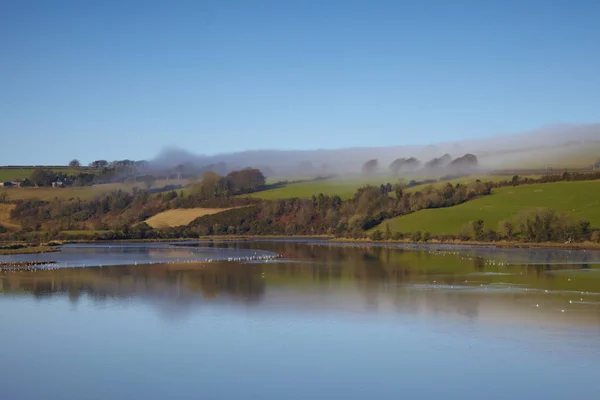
x=322, y=321
x=82, y=255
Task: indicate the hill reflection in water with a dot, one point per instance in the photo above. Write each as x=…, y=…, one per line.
x=313, y=277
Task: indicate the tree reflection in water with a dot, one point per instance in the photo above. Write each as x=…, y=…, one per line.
x=368, y=278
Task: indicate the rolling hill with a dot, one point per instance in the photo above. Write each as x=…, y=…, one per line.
x=578, y=199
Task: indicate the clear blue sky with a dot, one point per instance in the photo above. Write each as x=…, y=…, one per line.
x=124, y=79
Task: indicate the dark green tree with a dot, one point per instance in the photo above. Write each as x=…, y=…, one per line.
x=370, y=167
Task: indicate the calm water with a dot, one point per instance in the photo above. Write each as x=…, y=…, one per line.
x=321, y=321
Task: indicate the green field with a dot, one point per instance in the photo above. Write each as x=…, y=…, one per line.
x=578, y=199
x=11, y=173
x=469, y=179
x=341, y=187
x=345, y=188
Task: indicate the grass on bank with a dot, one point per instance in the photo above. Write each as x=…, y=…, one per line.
x=21, y=248
x=581, y=200
x=81, y=234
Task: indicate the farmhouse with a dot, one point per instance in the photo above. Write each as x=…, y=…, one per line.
x=7, y=184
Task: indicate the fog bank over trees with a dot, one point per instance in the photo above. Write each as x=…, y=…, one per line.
x=547, y=146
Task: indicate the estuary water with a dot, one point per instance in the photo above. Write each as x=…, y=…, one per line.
x=299, y=319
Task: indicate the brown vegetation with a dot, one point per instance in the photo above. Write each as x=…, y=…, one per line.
x=5, y=219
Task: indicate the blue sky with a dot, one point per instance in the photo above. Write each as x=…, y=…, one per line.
x=125, y=79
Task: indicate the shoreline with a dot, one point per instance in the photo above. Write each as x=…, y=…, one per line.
x=225, y=238
x=28, y=249
x=54, y=246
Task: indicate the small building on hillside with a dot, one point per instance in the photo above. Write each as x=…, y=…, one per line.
x=58, y=184
x=7, y=184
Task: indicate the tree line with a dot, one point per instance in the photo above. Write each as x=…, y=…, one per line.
x=46, y=177
x=461, y=165
x=120, y=211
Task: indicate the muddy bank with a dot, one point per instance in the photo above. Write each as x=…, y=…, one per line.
x=26, y=249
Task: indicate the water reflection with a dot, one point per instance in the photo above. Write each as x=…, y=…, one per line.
x=313, y=277
x=171, y=281
x=352, y=322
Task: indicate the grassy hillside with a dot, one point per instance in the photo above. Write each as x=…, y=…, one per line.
x=579, y=199
x=469, y=179
x=345, y=188
x=180, y=217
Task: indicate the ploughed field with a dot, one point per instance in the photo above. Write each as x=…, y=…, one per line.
x=181, y=216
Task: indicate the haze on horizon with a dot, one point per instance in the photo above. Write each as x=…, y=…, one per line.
x=112, y=80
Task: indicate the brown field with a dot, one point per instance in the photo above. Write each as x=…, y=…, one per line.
x=181, y=216
x=5, y=221
x=84, y=193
